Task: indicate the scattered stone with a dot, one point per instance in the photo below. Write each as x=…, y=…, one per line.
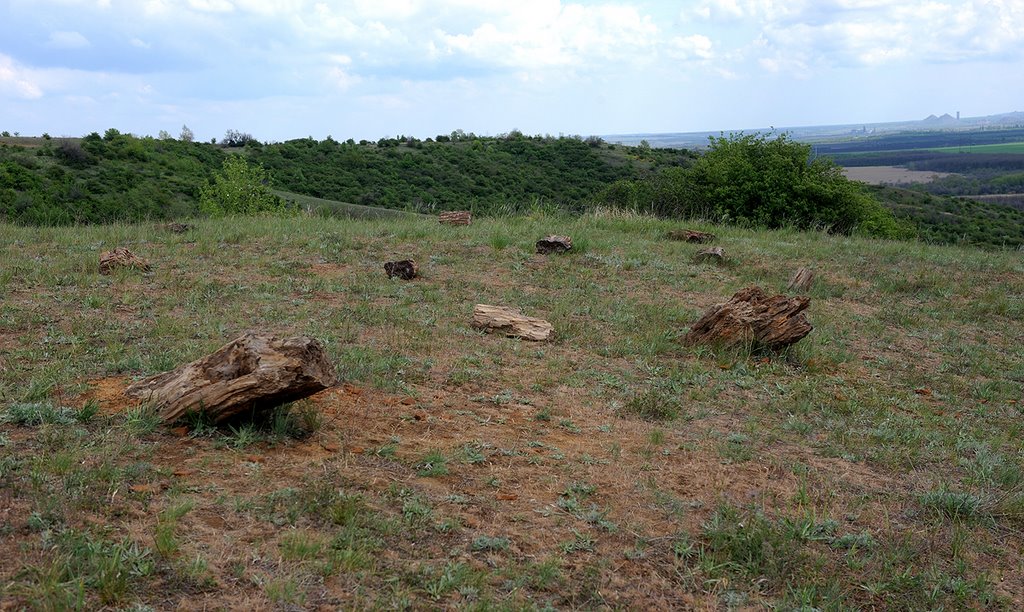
x=251, y=373
x=801, y=281
x=751, y=316
x=687, y=235
x=121, y=257
x=554, y=244
x=456, y=217
x=713, y=254
x=511, y=322
x=405, y=269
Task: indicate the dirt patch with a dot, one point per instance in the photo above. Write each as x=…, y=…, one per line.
x=108, y=393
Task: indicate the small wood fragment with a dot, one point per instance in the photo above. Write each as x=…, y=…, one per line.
x=456, y=217
x=253, y=372
x=511, y=322
x=801, y=281
x=688, y=235
x=714, y=254
x=554, y=244
x=752, y=316
x=404, y=269
x=121, y=257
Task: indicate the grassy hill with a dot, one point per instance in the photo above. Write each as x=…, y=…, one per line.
x=878, y=464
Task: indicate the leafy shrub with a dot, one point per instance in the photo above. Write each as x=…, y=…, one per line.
x=756, y=180
x=240, y=189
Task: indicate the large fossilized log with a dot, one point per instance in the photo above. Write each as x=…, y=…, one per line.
x=456, y=217
x=554, y=244
x=510, y=322
x=251, y=373
x=712, y=254
x=405, y=269
x=688, y=235
x=753, y=316
x=121, y=257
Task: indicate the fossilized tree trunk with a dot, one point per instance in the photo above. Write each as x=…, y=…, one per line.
x=554, y=244
x=752, y=316
x=405, y=269
x=251, y=373
x=801, y=280
x=510, y=322
x=121, y=257
x=687, y=235
x=456, y=217
x=713, y=254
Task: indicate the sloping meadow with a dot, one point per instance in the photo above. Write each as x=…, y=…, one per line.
x=877, y=463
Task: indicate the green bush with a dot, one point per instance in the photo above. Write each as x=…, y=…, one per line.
x=752, y=179
x=240, y=189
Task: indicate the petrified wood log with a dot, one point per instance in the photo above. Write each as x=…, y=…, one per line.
x=714, y=254
x=510, y=322
x=456, y=217
x=687, y=235
x=121, y=257
x=802, y=280
x=405, y=269
x=253, y=372
x=179, y=228
x=753, y=316
x=554, y=244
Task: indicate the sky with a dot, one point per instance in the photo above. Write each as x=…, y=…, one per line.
x=366, y=69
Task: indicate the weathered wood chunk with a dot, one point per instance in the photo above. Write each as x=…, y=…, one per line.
x=251, y=373
x=554, y=244
x=713, y=254
x=179, y=228
x=801, y=280
x=688, y=235
x=121, y=257
x=456, y=217
x=752, y=316
x=510, y=322
x=405, y=269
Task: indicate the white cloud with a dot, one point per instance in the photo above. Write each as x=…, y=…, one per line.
x=212, y=6
x=68, y=40
x=14, y=79
x=696, y=46
x=545, y=33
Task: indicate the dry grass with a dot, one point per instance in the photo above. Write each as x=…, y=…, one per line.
x=876, y=465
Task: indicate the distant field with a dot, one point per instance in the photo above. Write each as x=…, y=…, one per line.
x=1007, y=147
x=892, y=175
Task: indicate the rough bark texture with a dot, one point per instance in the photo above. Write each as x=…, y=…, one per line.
x=554, y=244
x=752, y=316
x=687, y=235
x=510, y=322
x=456, y=217
x=121, y=257
x=252, y=372
x=714, y=254
x=802, y=280
x=405, y=269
